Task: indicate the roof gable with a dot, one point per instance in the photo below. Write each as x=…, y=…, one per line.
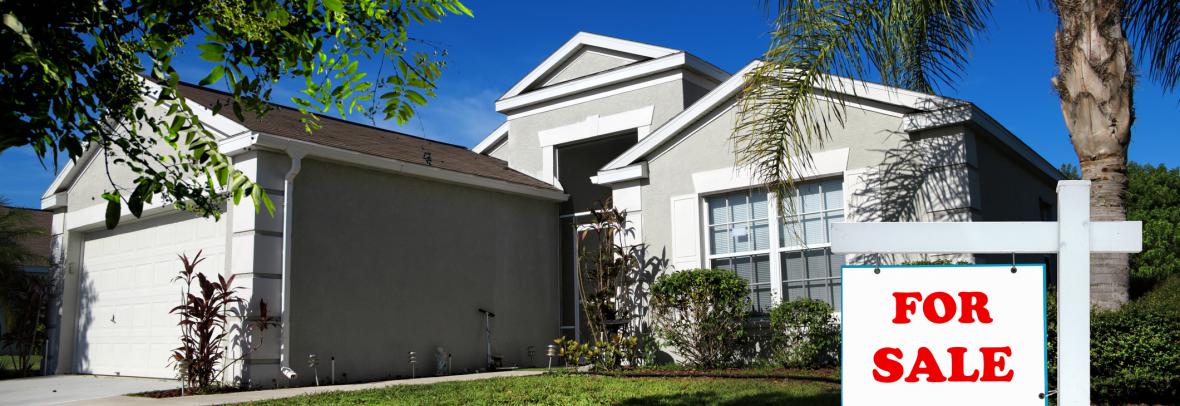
x=604, y=52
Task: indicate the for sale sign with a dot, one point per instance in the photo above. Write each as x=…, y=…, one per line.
x=941, y=335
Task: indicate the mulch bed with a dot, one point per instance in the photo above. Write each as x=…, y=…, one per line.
x=174, y=393
x=820, y=375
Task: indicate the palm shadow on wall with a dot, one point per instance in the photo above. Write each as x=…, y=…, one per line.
x=925, y=178
x=87, y=296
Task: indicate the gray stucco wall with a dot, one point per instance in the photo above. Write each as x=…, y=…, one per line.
x=588, y=63
x=522, y=149
x=384, y=264
x=867, y=135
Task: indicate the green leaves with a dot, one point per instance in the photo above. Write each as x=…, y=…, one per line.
x=113, y=209
x=214, y=75
x=212, y=52
x=354, y=56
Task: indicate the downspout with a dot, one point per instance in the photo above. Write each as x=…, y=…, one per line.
x=285, y=304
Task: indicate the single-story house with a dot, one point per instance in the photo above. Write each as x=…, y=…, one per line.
x=391, y=243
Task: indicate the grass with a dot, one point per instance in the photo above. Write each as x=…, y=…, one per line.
x=570, y=389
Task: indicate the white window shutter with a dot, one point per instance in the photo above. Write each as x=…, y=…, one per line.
x=686, y=232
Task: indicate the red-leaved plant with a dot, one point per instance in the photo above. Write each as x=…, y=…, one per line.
x=204, y=314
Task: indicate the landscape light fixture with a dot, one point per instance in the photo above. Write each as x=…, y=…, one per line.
x=551, y=352
x=413, y=360
x=313, y=361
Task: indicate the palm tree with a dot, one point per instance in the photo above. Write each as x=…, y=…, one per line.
x=921, y=44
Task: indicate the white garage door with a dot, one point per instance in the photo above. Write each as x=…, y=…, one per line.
x=127, y=291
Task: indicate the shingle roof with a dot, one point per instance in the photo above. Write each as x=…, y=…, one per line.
x=285, y=122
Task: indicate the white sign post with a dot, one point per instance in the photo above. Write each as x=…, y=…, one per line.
x=1073, y=237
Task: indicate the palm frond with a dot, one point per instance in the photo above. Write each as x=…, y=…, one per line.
x=789, y=101
x=1153, y=28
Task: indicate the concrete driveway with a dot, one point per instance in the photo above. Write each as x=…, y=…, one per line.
x=48, y=390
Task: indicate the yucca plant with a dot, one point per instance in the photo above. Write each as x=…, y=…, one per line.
x=200, y=359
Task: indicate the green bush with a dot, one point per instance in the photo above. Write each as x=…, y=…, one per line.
x=806, y=334
x=1153, y=197
x=700, y=313
x=1134, y=351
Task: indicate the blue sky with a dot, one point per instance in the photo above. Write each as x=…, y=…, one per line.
x=1007, y=75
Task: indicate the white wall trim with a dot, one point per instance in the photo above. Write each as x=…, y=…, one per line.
x=711, y=100
x=571, y=47
x=632, y=172
x=595, y=125
x=491, y=140
x=629, y=72
x=55, y=201
x=94, y=217
x=655, y=80
x=824, y=164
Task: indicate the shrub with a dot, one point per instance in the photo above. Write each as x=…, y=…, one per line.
x=806, y=334
x=700, y=312
x=1153, y=197
x=1134, y=351
x=200, y=360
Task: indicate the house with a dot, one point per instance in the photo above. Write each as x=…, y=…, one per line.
x=384, y=243
x=650, y=127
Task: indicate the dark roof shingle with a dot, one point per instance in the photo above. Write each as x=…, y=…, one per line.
x=285, y=122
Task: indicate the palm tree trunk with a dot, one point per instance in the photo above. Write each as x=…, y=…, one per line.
x=1095, y=83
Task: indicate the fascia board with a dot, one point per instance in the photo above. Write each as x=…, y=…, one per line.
x=492, y=139
x=571, y=47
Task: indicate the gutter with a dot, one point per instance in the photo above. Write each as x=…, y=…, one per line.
x=285, y=303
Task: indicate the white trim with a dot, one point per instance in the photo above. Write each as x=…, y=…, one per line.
x=94, y=216
x=637, y=171
x=595, y=125
x=392, y=165
x=871, y=92
x=491, y=140
x=686, y=238
x=548, y=166
x=824, y=164
x=55, y=201
x=656, y=80
x=970, y=113
x=629, y=72
x=571, y=47
x=547, y=80
x=707, y=103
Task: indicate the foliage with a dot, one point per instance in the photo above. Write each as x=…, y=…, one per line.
x=1134, y=351
x=72, y=78
x=1069, y=171
x=580, y=389
x=907, y=44
x=602, y=354
x=940, y=261
x=807, y=334
x=200, y=360
x=614, y=274
x=1153, y=197
x=701, y=312
x=24, y=297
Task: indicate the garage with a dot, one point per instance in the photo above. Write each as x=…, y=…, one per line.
x=126, y=291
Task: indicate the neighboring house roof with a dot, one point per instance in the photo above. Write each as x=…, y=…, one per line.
x=39, y=245
x=920, y=111
x=285, y=122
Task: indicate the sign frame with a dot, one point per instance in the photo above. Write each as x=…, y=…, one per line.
x=1044, y=312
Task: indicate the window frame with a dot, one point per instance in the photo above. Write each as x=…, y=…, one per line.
x=777, y=226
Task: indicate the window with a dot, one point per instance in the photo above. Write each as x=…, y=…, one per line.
x=745, y=235
x=809, y=269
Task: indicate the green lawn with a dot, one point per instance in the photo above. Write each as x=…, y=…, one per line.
x=7, y=362
x=590, y=390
